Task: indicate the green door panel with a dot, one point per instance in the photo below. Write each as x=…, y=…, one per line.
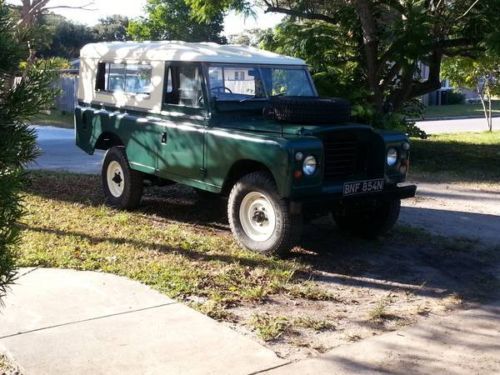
x=180, y=152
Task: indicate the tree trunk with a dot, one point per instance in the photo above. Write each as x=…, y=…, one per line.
x=371, y=44
x=490, y=117
x=481, y=93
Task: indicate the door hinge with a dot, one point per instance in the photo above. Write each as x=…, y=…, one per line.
x=203, y=172
x=164, y=137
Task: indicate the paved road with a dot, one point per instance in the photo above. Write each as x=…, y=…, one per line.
x=457, y=126
x=59, y=152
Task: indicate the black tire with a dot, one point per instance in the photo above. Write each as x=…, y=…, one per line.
x=288, y=227
x=368, y=220
x=131, y=191
x=308, y=110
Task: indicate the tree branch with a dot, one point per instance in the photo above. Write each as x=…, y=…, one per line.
x=81, y=7
x=433, y=82
x=271, y=8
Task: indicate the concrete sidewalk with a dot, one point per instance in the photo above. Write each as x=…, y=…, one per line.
x=464, y=343
x=69, y=322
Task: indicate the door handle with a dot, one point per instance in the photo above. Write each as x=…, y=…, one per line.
x=164, y=137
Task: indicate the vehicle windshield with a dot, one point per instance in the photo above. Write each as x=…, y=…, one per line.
x=246, y=82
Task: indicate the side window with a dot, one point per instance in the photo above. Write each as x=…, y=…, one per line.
x=100, y=82
x=131, y=78
x=183, y=86
x=138, y=79
x=115, y=78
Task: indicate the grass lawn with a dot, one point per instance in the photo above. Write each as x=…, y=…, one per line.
x=332, y=290
x=54, y=118
x=468, y=157
x=476, y=110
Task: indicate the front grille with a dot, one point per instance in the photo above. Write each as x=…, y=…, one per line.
x=343, y=157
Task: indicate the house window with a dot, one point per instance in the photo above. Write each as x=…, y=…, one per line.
x=130, y=78
x=239, y=76
x=183, y=86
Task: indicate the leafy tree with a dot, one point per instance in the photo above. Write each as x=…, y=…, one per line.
x=392, y=39
x=18, y=102
x=174, y=20
x=250, y=37
x=331, y=57
x=480, y=74
x=111, y=28
x=63, y=38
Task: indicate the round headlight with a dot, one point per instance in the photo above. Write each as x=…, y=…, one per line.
x=310, y=165
x=392, y=156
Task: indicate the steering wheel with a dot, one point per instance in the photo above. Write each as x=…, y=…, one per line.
x=221, y=89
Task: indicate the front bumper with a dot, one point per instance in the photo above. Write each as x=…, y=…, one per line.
x=390, y=192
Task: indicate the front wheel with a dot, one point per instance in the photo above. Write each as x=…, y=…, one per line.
x=122, y=185
x=260, y=219
x=368, y=219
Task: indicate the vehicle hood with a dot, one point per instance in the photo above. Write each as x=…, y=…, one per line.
x=260, y=125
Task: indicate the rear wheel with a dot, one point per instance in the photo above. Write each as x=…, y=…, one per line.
x=368, y=219
x=259, y=218
x=122, y=185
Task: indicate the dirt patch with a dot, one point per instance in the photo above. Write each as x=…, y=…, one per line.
x=376, y=287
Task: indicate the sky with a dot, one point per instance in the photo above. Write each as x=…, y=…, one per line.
x=233, y=24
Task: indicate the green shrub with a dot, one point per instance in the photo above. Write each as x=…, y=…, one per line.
x=20, y=99
x=453, y=97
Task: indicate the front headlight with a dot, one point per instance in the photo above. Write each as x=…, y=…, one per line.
x=392, y=156
x=310, y=165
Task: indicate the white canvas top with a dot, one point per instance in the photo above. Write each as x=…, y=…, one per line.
x=184, y=51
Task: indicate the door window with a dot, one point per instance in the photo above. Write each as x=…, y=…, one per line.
x=183, y=86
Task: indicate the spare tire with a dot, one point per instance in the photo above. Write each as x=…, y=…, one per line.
x=308, y=110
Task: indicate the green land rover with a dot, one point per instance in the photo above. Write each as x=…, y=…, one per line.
x=242, y=123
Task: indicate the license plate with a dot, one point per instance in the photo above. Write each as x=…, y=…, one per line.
x=366, y=186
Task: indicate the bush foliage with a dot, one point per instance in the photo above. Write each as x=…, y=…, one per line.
x=20, y=99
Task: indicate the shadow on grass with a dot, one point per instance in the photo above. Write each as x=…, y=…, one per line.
x=456, y=159
x=406, y=259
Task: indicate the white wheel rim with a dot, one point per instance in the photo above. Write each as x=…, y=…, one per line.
x=257, y=217
x=115, y=179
